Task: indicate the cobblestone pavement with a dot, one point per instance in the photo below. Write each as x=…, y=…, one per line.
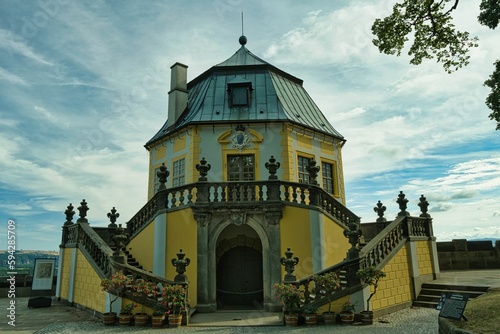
x=413, y=320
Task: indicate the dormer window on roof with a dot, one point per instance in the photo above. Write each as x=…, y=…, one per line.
x=240, y=92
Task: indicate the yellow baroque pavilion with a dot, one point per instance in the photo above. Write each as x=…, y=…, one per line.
x=246, y=177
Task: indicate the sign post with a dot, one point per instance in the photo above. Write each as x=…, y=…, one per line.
x=452, y=306
x=43, y=278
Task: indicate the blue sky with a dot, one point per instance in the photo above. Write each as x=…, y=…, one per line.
x=83, y=85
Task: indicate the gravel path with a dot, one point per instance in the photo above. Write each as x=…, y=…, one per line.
x=413, y=320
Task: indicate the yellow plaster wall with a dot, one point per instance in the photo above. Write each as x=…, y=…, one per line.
x=65, y=272
x=160, y=152
x=287, y=160
x=341, y=174
x=194, y=157
x=182, y=233
x=424, y=257
x=336, y=245
x=141, y=247
x=336, y=305
x=395, y=288
x=88, y=291
x=295, y=233
x=327, y=148
x=179, y=143
x=304, y=142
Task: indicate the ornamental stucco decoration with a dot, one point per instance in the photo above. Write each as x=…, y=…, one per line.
x=240, y=138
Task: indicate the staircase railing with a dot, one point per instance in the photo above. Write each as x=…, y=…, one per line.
x=375, y=253
x=105, y=261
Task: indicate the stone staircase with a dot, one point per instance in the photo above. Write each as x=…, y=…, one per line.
x=431, y=293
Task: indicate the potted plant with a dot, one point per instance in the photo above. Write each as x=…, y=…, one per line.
x=115, y=285
x=290, y=297
x=158, y=317
x=326, y=284
x=371, y=277
x=311, y=315
x=347, y=312
x=174, y=297
x=142, y=289
x=125, y=315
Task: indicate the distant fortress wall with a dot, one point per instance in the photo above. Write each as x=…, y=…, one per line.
x=460, y=254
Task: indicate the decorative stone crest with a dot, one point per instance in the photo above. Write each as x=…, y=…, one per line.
x=289, y=264
x=272, y=166
x=180, y=264
x=380, y=209
x=162, y=174
x=119, y=238
x=240, y=138
x=402, y=201
x=313, y=171
x=238, y=218
x=69, y=215
x=83, y=208
x=353, y=234
x=424, y=205
x=112, y=217
x=203, y=168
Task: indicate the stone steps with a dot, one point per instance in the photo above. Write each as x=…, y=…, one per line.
x=431, y=293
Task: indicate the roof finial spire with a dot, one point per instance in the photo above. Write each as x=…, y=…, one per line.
x=243, y=39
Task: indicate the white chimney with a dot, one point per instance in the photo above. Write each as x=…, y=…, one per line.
x=178, y=94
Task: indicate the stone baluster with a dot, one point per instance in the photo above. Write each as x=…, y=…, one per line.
x=202, y=195
x=273, y=188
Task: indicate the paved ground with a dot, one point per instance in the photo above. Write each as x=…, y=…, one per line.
x=60, y=318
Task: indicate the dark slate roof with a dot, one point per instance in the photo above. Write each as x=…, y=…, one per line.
x=276, y=96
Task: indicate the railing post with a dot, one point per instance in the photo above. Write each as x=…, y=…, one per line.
x=69, y=221
x=202, y=191
x=380, y=209
x=119, y=238
x=180, y=264
x=353, y=234
x=289, y=264
x=273, y=187
x=402, y=201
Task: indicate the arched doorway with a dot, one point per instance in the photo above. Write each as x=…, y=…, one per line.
x=239, y=268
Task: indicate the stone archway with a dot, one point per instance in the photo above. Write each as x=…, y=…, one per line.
x=239, y=268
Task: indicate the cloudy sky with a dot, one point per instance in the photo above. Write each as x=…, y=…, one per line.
x=84, y=85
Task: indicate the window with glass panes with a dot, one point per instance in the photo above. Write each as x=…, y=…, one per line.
x=327, y=173
x=178, y=173
x=241, y=167
x=303, y=173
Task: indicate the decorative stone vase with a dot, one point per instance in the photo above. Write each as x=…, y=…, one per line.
x=367, y=317
x=347, y=317
x=174, y=320
x=291, y=319
x=157, y=321
x=109, y=319
x=311, y=319
x=125, y=319
x=141, y=319
x=329, y=318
